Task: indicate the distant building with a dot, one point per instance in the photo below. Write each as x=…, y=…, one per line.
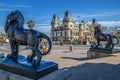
x=68, y=31
x=104, y=29
x=117, y=33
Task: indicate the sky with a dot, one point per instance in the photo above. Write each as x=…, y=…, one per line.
x=106, y=12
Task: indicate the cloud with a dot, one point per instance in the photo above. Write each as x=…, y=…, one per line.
x=77, y=16
x=44, y=17
x=23, y=6
x=47, y=18
x=41, y=27
x=109, y=23
x=2, y=29
x=47, y=21
x=45, y=29
x=16, y=5
x=3, y=9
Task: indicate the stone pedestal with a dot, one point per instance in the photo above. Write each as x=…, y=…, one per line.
x=24, y=69
x=98, y=53
x=5, y=75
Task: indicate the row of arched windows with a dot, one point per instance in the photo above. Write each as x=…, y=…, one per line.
x=62, y=33
x=74, y=33
x=66, y=25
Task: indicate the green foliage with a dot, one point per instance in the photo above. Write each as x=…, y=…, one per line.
x=30, y=24
x=91, y=41
x=68, y=42
x=61, y=43
x=77, y=41
x=2, y=36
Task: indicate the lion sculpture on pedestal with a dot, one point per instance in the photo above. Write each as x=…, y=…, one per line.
x=17, y=35
x=99, y=36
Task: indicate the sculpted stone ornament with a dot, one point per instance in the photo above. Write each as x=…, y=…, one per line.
x=17, y=35
x=105, y=37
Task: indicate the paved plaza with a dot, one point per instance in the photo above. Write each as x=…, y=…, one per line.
x=75, y=65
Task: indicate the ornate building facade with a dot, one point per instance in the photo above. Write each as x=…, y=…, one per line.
x=68, y=31
x=117, y=33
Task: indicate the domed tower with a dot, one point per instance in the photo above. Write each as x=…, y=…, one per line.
x=68, y=26
x=67, y=17
x=54, y=27
x=55, y=22
x=94, y=22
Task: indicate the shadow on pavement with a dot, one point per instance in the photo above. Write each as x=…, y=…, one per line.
x=79, y=59
x=87, y=71
x=93, y=71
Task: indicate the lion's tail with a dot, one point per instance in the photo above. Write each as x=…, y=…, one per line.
x=49, y=42
x=116, y=39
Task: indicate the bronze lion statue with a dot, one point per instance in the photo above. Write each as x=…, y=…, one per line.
x=99, y=36
x=17, y=35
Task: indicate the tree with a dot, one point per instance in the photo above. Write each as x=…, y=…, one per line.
x=30, y=24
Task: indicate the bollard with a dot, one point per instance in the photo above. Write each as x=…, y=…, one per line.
x=71, y=47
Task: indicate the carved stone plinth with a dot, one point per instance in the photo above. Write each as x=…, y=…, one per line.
x=25, y=69
x=98, y=53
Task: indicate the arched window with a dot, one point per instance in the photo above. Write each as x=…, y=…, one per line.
x=56, y=33
x=70, y=32
x=61, y=34
x=65, y=33
x=53, y=34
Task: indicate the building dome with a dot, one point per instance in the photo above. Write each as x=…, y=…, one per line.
x=55, y=19
x=67, y=17
x=94, y=21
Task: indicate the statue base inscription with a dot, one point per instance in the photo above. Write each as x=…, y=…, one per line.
x=100, y=52
x=24, y=68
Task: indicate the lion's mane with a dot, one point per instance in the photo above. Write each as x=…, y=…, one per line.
x=12, y=17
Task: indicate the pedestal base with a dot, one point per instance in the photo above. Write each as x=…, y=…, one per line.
x=25, y=68
x=98, y=53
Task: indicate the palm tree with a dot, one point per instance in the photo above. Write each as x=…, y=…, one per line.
x=30, y=24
